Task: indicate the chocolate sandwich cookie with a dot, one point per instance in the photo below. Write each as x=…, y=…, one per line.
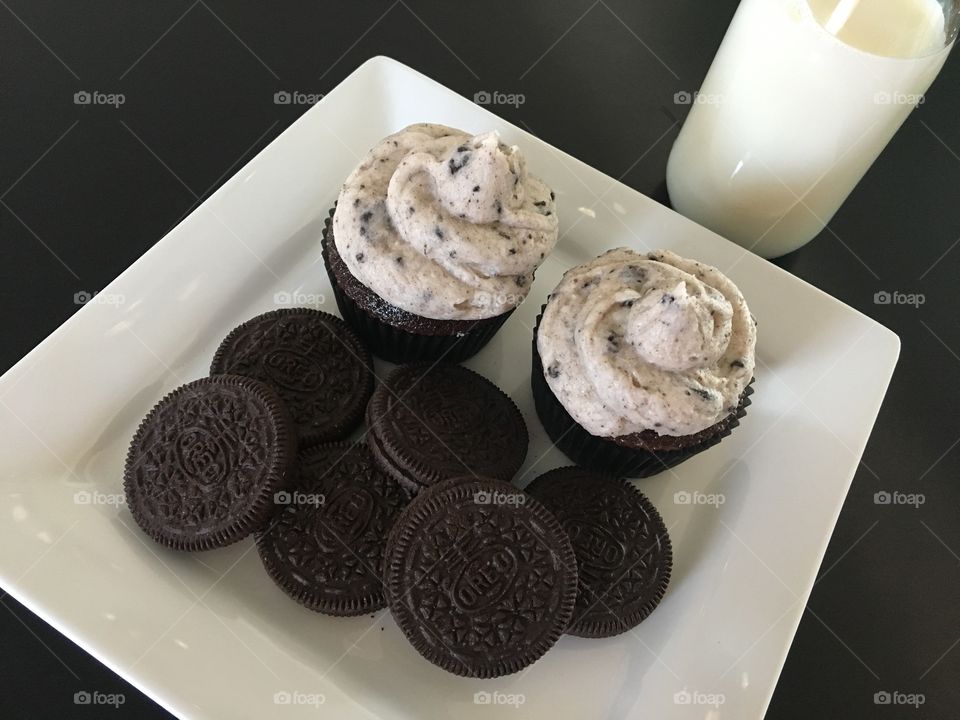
x=324, y=547
x=312, y=359
x=623, y=551
x=428, y=423
x=206, y=461
x=481, y=578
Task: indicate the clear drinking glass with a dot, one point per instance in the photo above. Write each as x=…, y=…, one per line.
x=801, y=98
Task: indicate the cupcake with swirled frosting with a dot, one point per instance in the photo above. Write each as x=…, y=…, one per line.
x=434, y=241
x=642, y=361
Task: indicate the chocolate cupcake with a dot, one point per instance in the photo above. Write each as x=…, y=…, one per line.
x=642, y=361
x=434, y=241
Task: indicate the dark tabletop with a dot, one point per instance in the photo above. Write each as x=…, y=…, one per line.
x=86, y=189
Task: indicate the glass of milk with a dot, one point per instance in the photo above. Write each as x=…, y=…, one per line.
x=801, y=98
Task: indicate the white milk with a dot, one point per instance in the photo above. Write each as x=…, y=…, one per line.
x=801, y=98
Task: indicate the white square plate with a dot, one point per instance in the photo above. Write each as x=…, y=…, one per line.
x=209, y=636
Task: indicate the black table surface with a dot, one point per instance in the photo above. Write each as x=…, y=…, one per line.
x=86, y=189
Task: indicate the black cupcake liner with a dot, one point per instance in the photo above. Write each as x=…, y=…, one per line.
x=396, y=342
x=604, y=454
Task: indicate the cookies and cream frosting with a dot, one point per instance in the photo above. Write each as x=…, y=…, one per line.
x=444, y=224
x=633, y=342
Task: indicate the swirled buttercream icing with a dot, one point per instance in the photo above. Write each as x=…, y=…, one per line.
x=444, y=224
x=633, y=342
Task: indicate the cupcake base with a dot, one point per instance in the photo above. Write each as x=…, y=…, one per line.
x=637, y=455
x=394, y=334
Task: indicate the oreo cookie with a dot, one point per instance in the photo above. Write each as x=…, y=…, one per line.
x=428, y=423
x=312, y=359
x=324, y=546
x=624, y=557
x=206, y=461
x=481, y=578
